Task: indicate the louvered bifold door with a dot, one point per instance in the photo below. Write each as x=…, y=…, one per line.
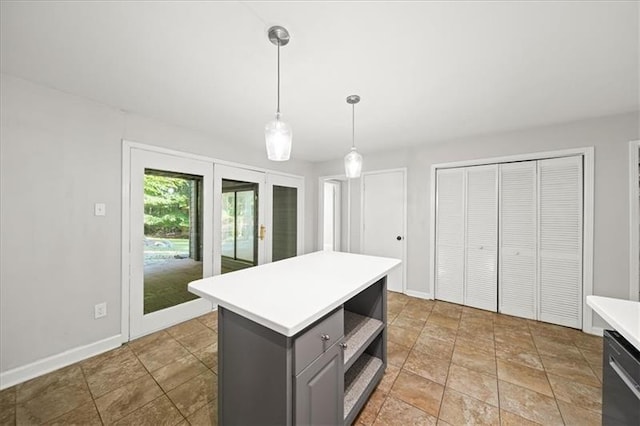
x=560, y=241
x=481, y=274
x=450, y=235
x=517, y=284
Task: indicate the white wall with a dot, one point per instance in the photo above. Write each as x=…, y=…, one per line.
x=60, y=154
x=610, y=137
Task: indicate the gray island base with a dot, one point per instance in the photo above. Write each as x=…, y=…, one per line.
x=302, y=341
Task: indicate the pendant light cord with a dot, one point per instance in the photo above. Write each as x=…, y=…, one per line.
x=353, y=126
x=278, y=108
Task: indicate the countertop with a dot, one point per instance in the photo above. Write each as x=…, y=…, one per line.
x=288, y=295
x=622, y=315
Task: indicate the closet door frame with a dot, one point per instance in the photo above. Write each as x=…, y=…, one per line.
x=588, y=207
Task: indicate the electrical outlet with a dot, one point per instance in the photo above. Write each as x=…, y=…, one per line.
x=100, y=310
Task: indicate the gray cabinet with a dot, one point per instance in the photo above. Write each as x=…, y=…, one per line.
x=319, y=389
x=321, y=376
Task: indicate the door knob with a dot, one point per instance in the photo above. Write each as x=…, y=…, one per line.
x=398, y=238
x=263, y=231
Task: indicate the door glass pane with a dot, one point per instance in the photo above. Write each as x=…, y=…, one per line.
x=285, y=222
x=239, y=225
x=172, y=237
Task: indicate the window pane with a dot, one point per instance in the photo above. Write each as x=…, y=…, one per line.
x=285, y=222
x=239, y=225
x=228, y=224
x=245, y=226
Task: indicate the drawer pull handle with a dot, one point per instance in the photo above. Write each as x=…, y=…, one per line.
x=343, y=345
x=325, y=337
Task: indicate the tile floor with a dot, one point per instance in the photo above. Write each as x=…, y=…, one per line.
x=448, y=365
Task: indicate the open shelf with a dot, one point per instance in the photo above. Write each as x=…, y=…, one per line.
x=359, y=332
x=359, y=381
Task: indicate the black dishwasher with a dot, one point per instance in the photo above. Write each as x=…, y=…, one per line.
x=621, y=381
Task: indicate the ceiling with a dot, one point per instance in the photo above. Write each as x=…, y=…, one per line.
x=426, y=71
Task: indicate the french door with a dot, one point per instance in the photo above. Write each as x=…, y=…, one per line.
x=171, y=242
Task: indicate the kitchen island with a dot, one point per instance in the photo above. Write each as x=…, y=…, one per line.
x=300, y=341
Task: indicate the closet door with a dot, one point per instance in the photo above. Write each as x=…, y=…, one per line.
x=517, y=285
x=481, y=274
x=560, y=241
x=450, y=235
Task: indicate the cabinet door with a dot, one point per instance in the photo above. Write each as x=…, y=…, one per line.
x=481, y=274
x=319, y=390
x=518, y=224
x=450, y=211
x=560, y=241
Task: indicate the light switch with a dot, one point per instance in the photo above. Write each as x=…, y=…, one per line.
x=100, y=209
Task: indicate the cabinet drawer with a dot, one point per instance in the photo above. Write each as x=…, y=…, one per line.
x=315, y=341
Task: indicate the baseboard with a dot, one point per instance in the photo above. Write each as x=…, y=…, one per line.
x=597, y=331
x=55, y=362
x=418, y=294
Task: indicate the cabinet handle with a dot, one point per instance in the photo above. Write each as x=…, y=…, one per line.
x=343, y=345
x=325, y=337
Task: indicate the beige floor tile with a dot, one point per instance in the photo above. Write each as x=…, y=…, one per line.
x=481, y=386
x=409, y=323
x=510, y=419
x=8, y=397
x=442, y=320
x=509, y=321
x=113, y=372
x=419, y=392
x=519, y=355
x=594, y=358
x=160, y=411
x=199, y=339
x=389, y=377
x=578, y=371
x=527, y=377
x=119, y=402
x=370, y=410
x=402, y=336
x=447, y=309
x=156, y=356
x=156, y=338
x=85, y=415
x=210, y=320
x=578, y=416
x=397, y=412
x=8, y=415
x=460, y=409
x=578, y=394
x=52, y=403
x=196, y=393
x=427, y=366
x=396, y=354
x=484, y=345
x=178, y=372
x=526, y=403
x=205, y=416
x=474, y=359
x=551, y=347
x=208, y=355
x=513, y=337
x=185, y=328
x=436, y=347
x=438, y=332
x=416, y=312
x=49, y=383
x=588, y=342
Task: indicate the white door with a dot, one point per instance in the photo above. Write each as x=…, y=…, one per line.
x=450, y=235
x=239, y=218
x=383, y=220
x=517, y=285
x=170, y=238
x=481, y=271
x=284, y=217
x=560, y=241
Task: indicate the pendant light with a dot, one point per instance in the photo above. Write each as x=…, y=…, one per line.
x=353, y=160
x=277, y=133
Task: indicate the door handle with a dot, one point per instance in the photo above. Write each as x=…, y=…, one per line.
x=399, y=238
x=263, y=231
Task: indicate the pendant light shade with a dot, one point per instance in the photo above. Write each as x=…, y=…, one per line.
x=353, y=160
x=278, y=136
x=277, y=133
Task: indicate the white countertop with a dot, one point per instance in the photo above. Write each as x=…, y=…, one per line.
x=622, y=315
x=288, y=295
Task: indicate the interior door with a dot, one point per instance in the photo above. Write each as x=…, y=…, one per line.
x=383, y=220
x=170, y=238
x=239, y=218
x=284, y=217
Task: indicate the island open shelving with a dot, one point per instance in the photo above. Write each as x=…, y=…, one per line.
x=300, y=341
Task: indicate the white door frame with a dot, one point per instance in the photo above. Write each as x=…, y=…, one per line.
x=275, y=179
x=587, y=236
x=634, y=219
x=321, y=181
x=403, y=170
x=127, y=146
